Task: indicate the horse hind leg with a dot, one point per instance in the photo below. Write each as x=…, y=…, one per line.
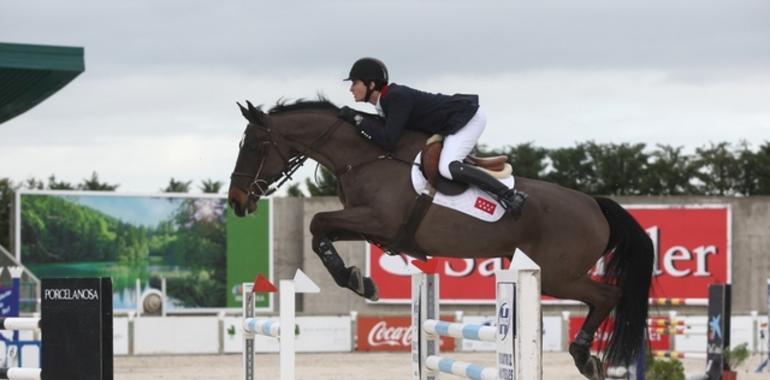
x=601, y=299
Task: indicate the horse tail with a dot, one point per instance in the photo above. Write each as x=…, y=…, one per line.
x=630, y=268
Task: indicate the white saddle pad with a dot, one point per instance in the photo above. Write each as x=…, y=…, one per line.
x=474, y=201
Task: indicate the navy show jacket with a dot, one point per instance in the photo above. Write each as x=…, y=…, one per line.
x=407, y=108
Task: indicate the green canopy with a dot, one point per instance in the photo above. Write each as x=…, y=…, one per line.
x=31, y=73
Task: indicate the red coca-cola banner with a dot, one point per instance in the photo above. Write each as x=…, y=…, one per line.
x=692, y=250
x=390, y=334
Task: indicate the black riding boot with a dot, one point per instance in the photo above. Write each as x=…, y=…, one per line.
x=512, y=200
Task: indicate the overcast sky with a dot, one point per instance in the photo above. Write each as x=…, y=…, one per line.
x=157, y=99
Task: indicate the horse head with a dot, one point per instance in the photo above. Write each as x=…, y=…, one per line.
x=264, y=157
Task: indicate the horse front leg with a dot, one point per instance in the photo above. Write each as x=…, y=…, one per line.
x=348, y=224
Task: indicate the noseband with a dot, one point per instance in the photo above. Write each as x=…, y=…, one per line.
x=260, y=187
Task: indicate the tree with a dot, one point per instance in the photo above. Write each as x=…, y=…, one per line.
x=7, y=190
x=717, y=169
x=209, y=186
x=294, y=191
x=572, y=168
x=93, y=184
x=33, y=184
x=747, y=180
x=325, y=186
x=669, y=172
x=618, y=169
x=527, y=160
x=175, y=186
x=762, y=158
x=59, y=185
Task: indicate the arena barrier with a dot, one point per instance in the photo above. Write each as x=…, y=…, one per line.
x=76, y=317
x=282, y=329
x=518, y=332
x=765, y=365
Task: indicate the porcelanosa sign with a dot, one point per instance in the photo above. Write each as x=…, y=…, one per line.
x=692, y=250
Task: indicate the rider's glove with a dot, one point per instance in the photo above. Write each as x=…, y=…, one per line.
x=350, y=115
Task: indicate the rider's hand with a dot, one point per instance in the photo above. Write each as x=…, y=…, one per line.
x=350, y=115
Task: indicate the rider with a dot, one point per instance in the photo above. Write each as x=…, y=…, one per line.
x=457, y=117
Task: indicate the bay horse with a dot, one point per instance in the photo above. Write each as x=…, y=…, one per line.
x=564, y=231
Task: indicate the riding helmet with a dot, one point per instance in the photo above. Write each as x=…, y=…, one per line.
x=369, y=69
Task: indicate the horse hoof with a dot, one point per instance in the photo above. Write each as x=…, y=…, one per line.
x=589, y=366
x=593, y=369
x=370, y=289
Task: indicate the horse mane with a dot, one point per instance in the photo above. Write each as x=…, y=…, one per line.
x=321, y=103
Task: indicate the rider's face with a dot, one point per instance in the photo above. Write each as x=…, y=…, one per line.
x=358, y=89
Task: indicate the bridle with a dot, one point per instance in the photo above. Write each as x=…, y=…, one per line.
x=261, y=187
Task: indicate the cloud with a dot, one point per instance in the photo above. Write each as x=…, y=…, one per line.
x=157, y=99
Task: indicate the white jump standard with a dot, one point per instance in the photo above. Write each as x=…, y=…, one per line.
x=26, y=324
x=518, y=332
x=282, y=329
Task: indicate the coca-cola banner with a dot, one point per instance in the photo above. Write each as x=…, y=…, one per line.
x=692, y=250
x=390, y=334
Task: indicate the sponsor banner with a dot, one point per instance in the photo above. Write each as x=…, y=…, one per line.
x=193, y=241
x=250, y=252
x=391, y=334
x=316, y=334
x=691, y=246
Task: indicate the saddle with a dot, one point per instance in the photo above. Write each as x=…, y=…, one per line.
x=496, y=166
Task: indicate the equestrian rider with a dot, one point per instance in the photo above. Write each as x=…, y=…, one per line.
x=457, y=117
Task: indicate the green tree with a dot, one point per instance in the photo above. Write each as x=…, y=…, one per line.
x=175, y=186
x=669, y=172
x=717, y=169
x=762, y=157
x=294, y=191
x=93, y=184
x=323, y=186
x=527, y=160
x=33, y=184
x=7, y=190
x=747, y=180
x=572, y=168
x=53, y=184
x=209, y=186
x=618, y=169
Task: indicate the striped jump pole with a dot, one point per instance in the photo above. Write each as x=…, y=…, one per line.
x=518, y=332
x=282, y=329
x=20, y=373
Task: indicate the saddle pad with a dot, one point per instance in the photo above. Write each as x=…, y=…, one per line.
x=474, y=201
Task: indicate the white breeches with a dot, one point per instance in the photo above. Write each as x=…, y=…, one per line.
x=460, y=144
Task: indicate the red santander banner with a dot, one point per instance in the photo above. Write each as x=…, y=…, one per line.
x=692, y=250
x=390, y=334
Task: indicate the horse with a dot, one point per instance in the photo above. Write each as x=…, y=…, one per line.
x=562, y=230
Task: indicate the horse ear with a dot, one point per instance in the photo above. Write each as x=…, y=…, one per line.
x=251, y=113
x=244, y=112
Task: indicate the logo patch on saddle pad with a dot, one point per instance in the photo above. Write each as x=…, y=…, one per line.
x=485, y=205
x=474, y=201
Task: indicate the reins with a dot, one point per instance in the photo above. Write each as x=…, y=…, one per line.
x=261, y=187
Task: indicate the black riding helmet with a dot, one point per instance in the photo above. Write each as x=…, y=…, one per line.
x=369, y=70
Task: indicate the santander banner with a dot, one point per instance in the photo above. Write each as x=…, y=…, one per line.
x=692, y=250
